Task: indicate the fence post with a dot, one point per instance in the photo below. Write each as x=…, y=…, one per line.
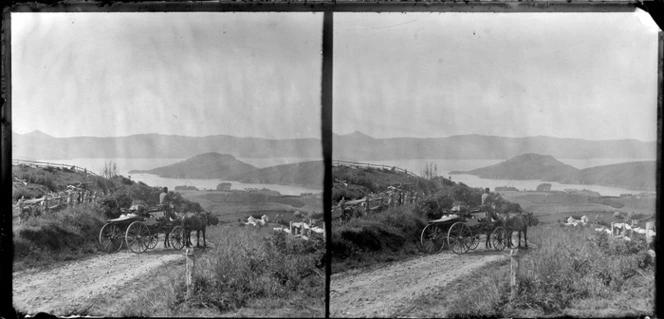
x=189, y=271
x=514, y=271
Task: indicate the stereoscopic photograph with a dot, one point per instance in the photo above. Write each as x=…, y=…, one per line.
x=494, y=164
x=336, y=159
x=167, y=164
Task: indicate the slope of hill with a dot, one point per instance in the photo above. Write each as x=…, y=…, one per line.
x=307, y=174
x=528, y=166
x=203, y=166
x=632, y=175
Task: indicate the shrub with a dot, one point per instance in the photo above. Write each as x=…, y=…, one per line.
x=391, y=231
x=57, y=236
x=433, y=206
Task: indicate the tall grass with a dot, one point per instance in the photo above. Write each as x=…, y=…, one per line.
x=252, y=264
x=389, y=235
x=576, y=272
x=58, y=236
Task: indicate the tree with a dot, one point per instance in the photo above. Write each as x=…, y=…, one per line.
x=430, y=171
x=110, y=170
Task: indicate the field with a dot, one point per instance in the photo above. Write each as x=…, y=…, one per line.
x=552, y=206
x=231, y=206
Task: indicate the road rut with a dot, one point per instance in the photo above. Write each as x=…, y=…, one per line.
x=388, y=291
x=73, y=287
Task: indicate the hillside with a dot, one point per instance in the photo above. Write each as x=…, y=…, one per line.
x=632, y=175
x=306, y=174
x=33, y=182
x=203, y=166
x=354, y=183
x=527, y=166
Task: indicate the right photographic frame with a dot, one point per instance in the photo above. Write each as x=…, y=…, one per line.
x=495, y=163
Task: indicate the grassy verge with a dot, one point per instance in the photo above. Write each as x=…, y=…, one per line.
x=64, y=235
x=383, y=237
x=249, y=272
x=574, y=272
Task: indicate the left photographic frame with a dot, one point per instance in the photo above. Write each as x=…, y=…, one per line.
x=165, y=163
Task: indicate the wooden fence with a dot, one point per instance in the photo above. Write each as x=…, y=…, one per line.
x=370, y=165
x=375, y=203
x=48, y=164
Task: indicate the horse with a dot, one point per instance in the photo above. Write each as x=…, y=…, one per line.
x=197, y=222
x=494, y=220
x=519, y=223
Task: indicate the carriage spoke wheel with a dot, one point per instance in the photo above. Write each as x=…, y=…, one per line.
x=499, y=238
x=110, y=238
x=459, y=238
x=432, y=238
x=176, y=237
x=137, y=237
x=153, y=240
x=474, y=240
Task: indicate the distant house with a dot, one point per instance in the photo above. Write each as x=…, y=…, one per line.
x=544, y=187
x=506, y=189
x=224, y=187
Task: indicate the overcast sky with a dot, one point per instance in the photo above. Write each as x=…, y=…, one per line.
x=579, y=75
x=195, y=74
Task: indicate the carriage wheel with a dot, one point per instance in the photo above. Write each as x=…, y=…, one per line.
x=176, y=237
x=137, y=237
x=110, y=238
x=499, y=238
x=474, y=240
x=432, y=238
x=459, y=237
x=153, y=240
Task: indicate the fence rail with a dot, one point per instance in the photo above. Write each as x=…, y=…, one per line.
x=49, y=164
x=370, y=165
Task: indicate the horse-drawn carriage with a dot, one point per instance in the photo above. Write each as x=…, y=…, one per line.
x=460, y=232
x=139, y=230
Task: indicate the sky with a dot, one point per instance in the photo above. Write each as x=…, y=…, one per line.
x=192, y=74
x=570, y=75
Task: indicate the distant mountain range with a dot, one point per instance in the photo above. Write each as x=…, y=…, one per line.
x=38, y=145
x=359, y=146
x=227, y=167
x=632, y=175
x=354, y=146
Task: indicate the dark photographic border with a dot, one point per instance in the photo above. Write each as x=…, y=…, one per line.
x=654, y=8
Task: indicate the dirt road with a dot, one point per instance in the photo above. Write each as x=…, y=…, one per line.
x=389, y=291
x=92, y=285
